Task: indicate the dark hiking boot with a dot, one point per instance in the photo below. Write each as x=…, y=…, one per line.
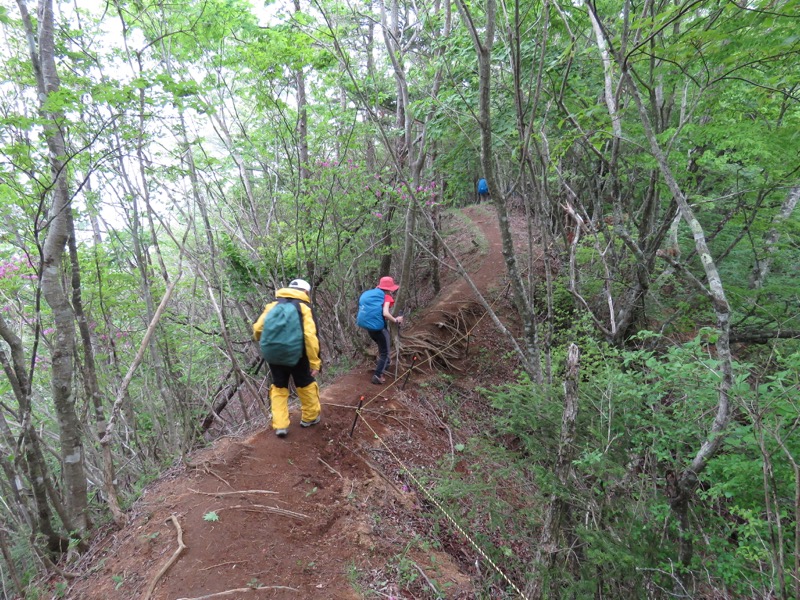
x=281, y=433
x=378, y=379
x=310, y=423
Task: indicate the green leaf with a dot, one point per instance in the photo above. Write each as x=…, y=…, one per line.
x=211, y=516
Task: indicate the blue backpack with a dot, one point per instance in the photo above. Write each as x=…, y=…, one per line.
x=282, y=341
x=483, y=187
x=370, y=310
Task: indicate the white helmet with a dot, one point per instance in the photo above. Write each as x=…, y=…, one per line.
x=300, y=284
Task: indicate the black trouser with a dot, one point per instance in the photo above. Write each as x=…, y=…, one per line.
x=301, y=373
x=381, y=337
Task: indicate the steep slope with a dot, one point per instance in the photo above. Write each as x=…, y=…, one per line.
x=319, y=514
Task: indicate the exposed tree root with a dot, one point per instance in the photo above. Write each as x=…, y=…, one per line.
x=243, y=591
x=233, y=493
x=173, y=558
x=261, y=508
x=443, y=338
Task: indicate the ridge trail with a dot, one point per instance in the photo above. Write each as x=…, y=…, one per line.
x=264, y=517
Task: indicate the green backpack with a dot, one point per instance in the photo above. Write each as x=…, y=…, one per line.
x=282, y=342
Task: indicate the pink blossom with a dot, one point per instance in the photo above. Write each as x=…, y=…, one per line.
x=6, y=269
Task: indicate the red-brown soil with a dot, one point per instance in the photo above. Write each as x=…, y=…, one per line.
x=318, y=514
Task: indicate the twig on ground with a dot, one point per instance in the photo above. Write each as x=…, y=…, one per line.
x=425, y=577
x=58, y=570
x=377, y=471
x=211, y=472
x=230, y=562
x=263, y=508
x=382, y=414
x=353, y=407
x=173, y=558
x=443, y=424
x=243, y=590
x=330, y=468
x=231, y=493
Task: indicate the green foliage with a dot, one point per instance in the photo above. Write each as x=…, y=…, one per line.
x=24, y=558
x=243, y=273
x=641, y=419
x=61, y=588
x=119, y=581
x=407, y=573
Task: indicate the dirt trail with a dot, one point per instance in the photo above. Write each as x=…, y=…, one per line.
x=263, y=517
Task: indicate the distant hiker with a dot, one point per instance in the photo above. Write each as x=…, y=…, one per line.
x=287, y=334
x=483, y=190
x=374, y=310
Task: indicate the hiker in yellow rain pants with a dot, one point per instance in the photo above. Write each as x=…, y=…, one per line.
x=303, y=371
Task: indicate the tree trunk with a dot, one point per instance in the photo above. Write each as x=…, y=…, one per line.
x=688, y=479
x=762, y=267
x=75, y=492
x=90, y=382
x=9, y=560
x=139, y=192
x=483, y=49
x=123, y=387
x=401, y=151
x=33, y=461
x=14, y=493
x=302, y=118
x=553, y=529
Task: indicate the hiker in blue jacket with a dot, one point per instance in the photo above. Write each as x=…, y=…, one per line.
x=303, y=372
x=483, y=190
x=374, y=316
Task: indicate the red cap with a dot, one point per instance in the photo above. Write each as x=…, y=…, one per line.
x=387, y=284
